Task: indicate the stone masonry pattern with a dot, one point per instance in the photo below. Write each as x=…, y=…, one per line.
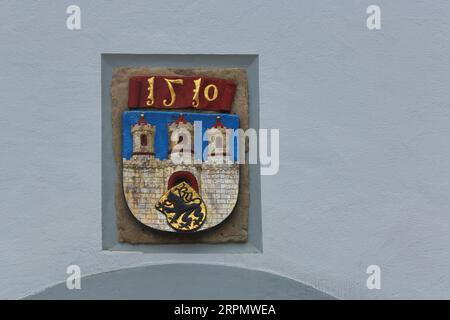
x=145, y=180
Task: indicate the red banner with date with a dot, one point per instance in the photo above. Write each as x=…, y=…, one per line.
x=169, y=92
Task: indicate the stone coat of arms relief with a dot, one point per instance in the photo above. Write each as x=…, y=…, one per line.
x=179, y=152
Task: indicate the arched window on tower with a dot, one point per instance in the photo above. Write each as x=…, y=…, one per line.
x=217, y=145
x=143, y=140
x=219, y=142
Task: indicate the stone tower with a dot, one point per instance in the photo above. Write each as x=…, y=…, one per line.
x=143, y=137
x=218, y=146
x=181, y=140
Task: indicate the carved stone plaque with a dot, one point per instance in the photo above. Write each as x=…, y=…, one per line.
x=180, y=181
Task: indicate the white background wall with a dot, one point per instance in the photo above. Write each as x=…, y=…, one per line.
x=364, y=118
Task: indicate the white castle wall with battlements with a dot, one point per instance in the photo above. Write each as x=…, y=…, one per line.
x=145, y=180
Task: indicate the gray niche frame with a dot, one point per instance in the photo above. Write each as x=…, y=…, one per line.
x=109, y=61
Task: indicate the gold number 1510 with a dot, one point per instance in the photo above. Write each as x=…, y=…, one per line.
x=211, y=92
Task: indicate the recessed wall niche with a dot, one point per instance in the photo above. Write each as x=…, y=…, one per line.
x=128, y=223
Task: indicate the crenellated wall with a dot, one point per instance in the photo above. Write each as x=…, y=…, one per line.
x=145, y=180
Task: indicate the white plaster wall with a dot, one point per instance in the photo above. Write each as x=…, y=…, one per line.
x=365, y=140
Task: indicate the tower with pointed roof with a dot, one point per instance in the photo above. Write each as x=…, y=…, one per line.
x=181, y=140
x=143, y=137
x=218, y=150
